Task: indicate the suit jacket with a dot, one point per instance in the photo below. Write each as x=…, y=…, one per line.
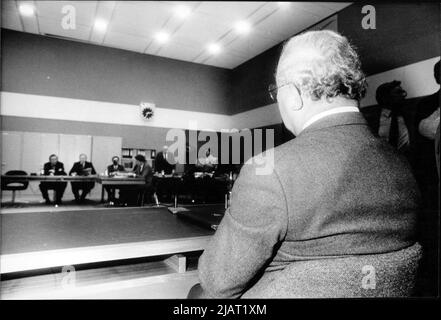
x=335, y=191
x=79, y=170
x=425, y=160
x=59, y=169
x=145, y=172
x=111, y=168
x=162, y=164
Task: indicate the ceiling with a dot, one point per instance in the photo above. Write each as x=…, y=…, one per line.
x=132, y=25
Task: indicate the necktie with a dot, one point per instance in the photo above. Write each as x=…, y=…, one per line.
x=393, y=131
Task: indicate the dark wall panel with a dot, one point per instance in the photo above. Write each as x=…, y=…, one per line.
x=405, y=33
x=251, y=80
x=46, y=66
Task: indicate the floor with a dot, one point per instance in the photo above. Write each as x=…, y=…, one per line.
x=37, y=204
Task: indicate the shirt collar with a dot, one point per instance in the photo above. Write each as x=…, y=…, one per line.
x=386, y=112
x=324, y=114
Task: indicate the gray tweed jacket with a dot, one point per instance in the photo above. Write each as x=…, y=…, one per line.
x=336, y=193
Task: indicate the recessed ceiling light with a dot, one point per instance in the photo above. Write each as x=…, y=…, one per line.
x=284, y=4
x=162, y=37
x=214, y=48
x=242, y=27
x=100, y=25
x=182, y=11
x=26, y=9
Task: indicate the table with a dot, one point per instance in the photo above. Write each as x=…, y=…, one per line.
x=173, y=183
x=21, y=178
x=178, y=184
x=116, y=253
x=116, y=181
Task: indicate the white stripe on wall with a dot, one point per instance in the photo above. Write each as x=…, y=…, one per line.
x=56, y=108
x=417, y=79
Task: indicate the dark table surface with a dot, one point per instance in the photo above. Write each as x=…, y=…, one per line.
x=38, y=231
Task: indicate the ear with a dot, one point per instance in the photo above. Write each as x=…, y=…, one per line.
x=295, y=102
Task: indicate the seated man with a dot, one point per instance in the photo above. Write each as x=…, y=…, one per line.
x=130, y=194
x=82, y=168
x=53, y=168
x=111, y=171
x=338, y=204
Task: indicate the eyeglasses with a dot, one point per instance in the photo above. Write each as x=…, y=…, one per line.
x=273, y=89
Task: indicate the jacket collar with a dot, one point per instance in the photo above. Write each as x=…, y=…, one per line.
x=335, y=120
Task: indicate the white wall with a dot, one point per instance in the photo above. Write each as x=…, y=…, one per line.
x=28, y=151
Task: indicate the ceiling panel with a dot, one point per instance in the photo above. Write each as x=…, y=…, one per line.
x=10, y=16
x=228, y=11
x=141, y=19
x=125, y=41
x=287, y=23
x=53, y=27
x=84, y=10
x=334, y=5
x=132, y=25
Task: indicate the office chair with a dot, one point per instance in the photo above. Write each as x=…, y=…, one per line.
x=12, y=184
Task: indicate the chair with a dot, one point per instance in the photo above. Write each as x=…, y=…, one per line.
x=391, y=274
x=12, y=184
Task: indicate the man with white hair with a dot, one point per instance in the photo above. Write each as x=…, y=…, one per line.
x=336, y=217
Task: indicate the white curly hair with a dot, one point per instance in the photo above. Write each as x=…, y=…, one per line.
x=323, y=64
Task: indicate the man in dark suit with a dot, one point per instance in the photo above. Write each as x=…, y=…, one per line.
x=82, y=168
x=164, y=161
x=115, y=167
x=111, y=171
x=130, y=194
x=164, y=164
x=327, y=200
x=53, y=168
x=393, y=126
x=426, y=173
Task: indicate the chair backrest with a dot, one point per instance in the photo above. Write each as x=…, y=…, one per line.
x=390, y=274
x=16, y=173
x=18, y=185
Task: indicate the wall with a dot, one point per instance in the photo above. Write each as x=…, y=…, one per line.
x=85, y=80
x=404, y=46
x=132, y=136
x=39, y=65
x=405, y=34
x=57, y=86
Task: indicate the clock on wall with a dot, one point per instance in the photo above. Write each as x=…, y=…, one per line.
x=147, y=110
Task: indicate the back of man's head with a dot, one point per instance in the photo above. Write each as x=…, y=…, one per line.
x=323, y=64
x=383, y=93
